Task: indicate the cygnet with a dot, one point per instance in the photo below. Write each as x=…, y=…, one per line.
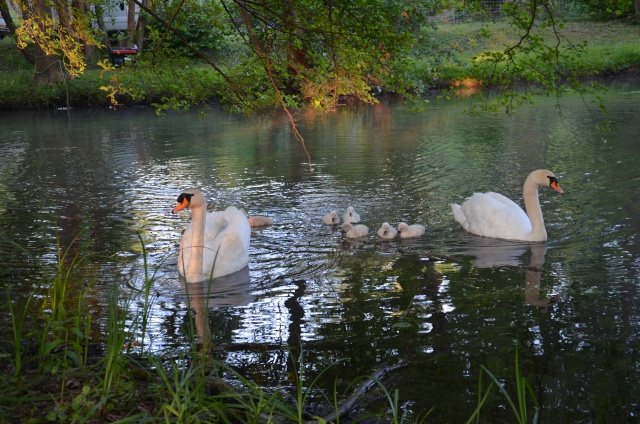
x=351, y=216
x=355, y=231
x=331, y=218
x=408, y=231
x=386, y=231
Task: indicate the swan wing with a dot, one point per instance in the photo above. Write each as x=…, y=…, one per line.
x=493, y=215
x=214, y=224
x=228, y=252
x=233, y=254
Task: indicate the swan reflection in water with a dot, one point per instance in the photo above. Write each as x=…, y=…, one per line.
x=490, y=253
x=229, y=290
x=532, y=278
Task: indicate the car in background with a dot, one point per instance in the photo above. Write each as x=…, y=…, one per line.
x=3, y=29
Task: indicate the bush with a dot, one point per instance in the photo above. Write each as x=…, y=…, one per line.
x=194, y=22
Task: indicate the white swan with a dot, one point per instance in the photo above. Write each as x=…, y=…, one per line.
x=409, y=231
x=331, y=218
x=355, y=231
x=386, y=231
x=494, y=215
x=351, y=216
x=213, y=244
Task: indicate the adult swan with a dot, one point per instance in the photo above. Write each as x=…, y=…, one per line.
x=214, y=244
x=494, y=215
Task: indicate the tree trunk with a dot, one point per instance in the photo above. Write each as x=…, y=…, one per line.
x=141, y=27
x=89, y=48
x=636, y=6
x=131, y=23
x=248, y=23
x=101, y=26
x=48, y=68
x=6, y=16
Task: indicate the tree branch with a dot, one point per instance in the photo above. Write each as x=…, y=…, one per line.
x=236, y=90
x=351, y=402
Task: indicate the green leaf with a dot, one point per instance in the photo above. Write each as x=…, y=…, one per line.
x=401, y=324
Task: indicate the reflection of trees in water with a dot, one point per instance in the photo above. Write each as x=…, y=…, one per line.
x=478, y=312
x=372, y=298
x=418, y=277
x=265, y=364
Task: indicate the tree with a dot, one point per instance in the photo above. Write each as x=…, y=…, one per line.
x=313, y=52
x=542, y=61
x=61, y=35
x=308, y=53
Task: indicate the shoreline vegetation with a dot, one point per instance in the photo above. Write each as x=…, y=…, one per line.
x=612, y=50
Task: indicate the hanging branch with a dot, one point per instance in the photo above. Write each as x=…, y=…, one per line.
x=263, y=53
x=168, y=27
x=280, y=100
x=236, y=90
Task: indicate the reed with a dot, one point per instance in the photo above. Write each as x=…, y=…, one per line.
x=64, y=331
x=149, y=278
x=254, y=405
x=302, y=386
x=18, y=317
x=519, y=406
x=183, y=390
x=117, y=336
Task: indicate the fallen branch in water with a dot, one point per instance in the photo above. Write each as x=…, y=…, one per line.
x=351, y=402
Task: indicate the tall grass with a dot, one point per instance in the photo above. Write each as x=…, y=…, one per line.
x=18, y=317
x=149, y=278
x=117, y=336
x=64, y=332
x=183, y=390
x=519, y=406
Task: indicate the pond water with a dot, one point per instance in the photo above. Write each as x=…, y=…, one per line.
x=104, y=182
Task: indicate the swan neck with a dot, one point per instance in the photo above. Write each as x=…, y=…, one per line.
x=198, y=219
x=534, y=211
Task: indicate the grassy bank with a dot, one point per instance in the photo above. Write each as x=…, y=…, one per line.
x=613, y=49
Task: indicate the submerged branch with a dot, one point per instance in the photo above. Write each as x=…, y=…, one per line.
x=351, y=402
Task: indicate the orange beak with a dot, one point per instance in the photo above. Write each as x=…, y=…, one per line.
x=554, y=185
x=182, y=205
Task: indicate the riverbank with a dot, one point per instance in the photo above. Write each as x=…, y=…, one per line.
x=613, y=49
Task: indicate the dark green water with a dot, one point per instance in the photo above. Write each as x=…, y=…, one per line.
x=447, y=302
